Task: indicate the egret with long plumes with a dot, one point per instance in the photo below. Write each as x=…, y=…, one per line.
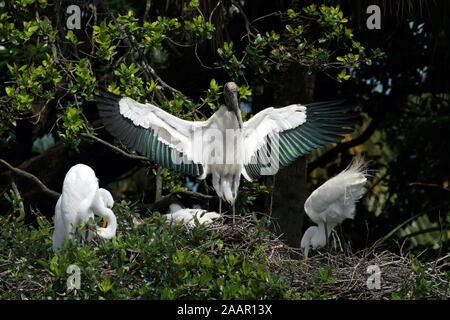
x=333, y=202
x=80, y=200
x=225, y=146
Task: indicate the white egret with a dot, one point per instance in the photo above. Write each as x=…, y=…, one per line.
x=225, y=146
x=80, y=200
x=333, y=202
x=177, y=214
x=101, y=206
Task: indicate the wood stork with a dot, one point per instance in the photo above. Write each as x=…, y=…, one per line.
x=225, y=146
x=178, y=213
x=80, y=200
x=333, y=202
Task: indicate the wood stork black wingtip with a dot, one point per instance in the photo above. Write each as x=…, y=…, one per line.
x=106, y=97
x=342, y=104
x=107, y=100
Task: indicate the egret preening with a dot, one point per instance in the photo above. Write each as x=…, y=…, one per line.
x=332, y=203
x=101, y=206
x=177, y=214
x=80, y=200
x=225, y=146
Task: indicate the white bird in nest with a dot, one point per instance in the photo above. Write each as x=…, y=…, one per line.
x=80, y=200
x=332, y=203
x=224, y=145
x=178, y=213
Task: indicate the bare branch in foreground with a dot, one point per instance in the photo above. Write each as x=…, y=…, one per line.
x=92, y=137
x=32, y=177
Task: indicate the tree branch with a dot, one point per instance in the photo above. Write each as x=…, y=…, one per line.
x=332, y=154
x=149, y=72
x=131, y=156
x=21, y=206
x=428, y=185
x=419, y=232
x=32, y=177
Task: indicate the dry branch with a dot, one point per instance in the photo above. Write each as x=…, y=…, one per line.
x=349, y=270
x=131, y=156
x=33, y=178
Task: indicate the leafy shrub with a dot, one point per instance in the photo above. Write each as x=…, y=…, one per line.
x=149, y=261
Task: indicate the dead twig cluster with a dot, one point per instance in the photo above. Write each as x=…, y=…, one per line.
x=350, y=277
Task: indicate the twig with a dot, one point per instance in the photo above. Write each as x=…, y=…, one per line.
x=416, y=233
x=244, y=16
x=21, y=206
x=214, y=10
x=343, y=146
x=147, y=10
x=90, y=136
x=433, y=185
x=276, y=13
x=32, y=177
x=148, y=70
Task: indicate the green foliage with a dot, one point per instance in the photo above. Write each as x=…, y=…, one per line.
x=57, y=61
x=332, y=48
x=321, y=279
x=104, y=35
x=148, y=261
x=15, y=202
x=419, y=286
x=414, y=133
x=73, y=38
x=229, y=61
x=72, y=125
x=212, y=95
x=199, y=28
x=172, y=180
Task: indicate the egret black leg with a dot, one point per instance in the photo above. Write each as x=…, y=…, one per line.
x=234, y=213
x=326, y=234
x=344, y=245
x=220, y=205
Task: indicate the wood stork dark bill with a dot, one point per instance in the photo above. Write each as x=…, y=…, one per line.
x=80, y=200
x=225, y=146
x=333, y=202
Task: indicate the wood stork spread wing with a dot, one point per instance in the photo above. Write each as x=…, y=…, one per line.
x=152, y=132
x=294, y=130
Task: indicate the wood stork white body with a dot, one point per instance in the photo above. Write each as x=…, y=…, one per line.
x=177, y=214
x=333, y=202
x=80, y=200
x=223, y=145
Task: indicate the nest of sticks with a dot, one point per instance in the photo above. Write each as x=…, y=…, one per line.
x=333, y=274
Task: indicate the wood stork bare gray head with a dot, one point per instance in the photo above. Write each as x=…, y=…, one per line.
x=231, y=97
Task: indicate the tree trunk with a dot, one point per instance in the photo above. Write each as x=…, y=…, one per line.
x=289, y=192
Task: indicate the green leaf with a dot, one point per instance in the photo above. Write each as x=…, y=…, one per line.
x=10, y=91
